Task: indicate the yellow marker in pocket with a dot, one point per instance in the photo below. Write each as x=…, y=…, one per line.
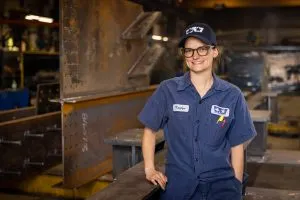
x=221, y=118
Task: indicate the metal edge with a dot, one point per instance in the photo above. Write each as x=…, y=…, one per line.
x=156, y=16
x=15, y=110
x=29, y=118
x=61, y=55
x=131, y=25
x=138, y=61
x=161, y=50
x=105, y=95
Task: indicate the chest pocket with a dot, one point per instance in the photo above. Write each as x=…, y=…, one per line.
x=179, y=123
x=216, y=129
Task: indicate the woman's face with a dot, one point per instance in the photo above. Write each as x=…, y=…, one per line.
x=198, y=55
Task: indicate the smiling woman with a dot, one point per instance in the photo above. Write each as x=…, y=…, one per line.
x=206, y=123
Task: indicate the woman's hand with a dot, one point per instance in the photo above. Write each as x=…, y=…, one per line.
x=156, y=177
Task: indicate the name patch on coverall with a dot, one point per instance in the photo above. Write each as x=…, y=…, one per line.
x=181, y=108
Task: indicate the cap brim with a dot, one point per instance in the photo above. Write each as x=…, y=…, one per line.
x=183, y=39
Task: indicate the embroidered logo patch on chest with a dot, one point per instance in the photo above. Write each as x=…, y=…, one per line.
x=181, y=108
x=217, y=110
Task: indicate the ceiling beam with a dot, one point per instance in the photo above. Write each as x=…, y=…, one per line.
x=238, y=3
x=166, y=7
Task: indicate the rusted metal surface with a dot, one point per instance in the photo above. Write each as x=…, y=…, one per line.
x=87, y=123
x=17, y=113
x=94, y=65
x=29, y=145
x=95, y=59
x=132, y=137
x=45, y=94
x=141, y=25
x=127, y=148
x=146, y=62
x=132, y=184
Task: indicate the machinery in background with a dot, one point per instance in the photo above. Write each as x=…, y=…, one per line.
x=272, y=68
x=245, y=69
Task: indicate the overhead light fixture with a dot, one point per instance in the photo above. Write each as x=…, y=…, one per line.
x=39, y=18
x=158, y=37
x=165, y=39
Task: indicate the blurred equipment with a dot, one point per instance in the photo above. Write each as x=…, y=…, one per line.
x=284, y=70
x=266, y=68
x=9, y=69
x=245, y=69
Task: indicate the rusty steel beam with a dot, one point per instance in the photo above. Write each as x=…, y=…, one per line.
x=86, y=123
x=29, y=146
x=146, y=62
x=132, y=185
x=141, y=25
x=95, y=58
x=17, y=113
x=101, y=41
x=238, y=3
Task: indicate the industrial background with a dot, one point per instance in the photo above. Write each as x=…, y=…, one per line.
x=74, y=75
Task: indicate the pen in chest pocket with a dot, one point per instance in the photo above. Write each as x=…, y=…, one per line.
x=222, y=120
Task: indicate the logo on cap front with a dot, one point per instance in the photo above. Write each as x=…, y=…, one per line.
x=195, y=29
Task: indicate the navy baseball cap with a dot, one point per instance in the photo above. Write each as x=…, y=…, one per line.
x=201, y=31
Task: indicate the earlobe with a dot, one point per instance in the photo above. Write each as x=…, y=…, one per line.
x=216, y=53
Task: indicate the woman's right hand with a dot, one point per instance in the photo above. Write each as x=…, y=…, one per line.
x=156, y=177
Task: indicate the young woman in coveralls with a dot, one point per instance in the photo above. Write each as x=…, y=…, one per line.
x=206, y=124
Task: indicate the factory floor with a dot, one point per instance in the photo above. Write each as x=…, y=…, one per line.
x=289, y=109
x=279, y=143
